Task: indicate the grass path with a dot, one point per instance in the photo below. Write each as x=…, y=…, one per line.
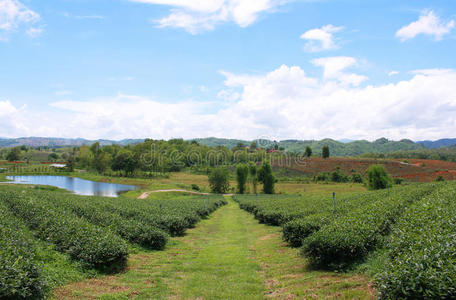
x=227, y=256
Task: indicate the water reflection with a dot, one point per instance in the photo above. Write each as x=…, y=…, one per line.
x=76, y=185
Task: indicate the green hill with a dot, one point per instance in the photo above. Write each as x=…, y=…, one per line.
x=337, y=148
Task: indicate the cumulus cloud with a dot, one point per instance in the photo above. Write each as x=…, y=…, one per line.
x=199, y=16
x=284, y=103
x=428, y=24
x=288, y=104
x=333, y=68
x=321, y=39
x=13, y=14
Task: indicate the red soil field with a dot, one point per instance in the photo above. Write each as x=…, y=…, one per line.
x=416, y=170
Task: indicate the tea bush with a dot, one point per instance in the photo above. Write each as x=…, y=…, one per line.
x=422, y=251
x=93, y=245
x=20, y=273
x=353, y=235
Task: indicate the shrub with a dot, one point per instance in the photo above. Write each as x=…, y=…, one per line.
x=20, y=273
x=398, y=181
x=219, y=180
x=422, y=251
x=352, y=236
x=90, y=244
x=440, y=178
x=195, y=187
x=338, y=176
x=357, y=178
x=322, y=177
x=377, y=177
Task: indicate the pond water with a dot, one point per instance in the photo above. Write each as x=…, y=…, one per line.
x=76, y=185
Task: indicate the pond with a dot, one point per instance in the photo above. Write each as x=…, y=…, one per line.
x=76, y=185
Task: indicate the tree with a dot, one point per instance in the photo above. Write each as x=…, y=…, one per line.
x=219, y=180
x=242, y=173
x=378, y=178
x=266, y=177
x=53, y=157
x=308, y=151
x=124, y=161
x=253, y=175
x=71, y=160
x=100, y=158
x=325, y=152
x=253, y=145
x=14, y=154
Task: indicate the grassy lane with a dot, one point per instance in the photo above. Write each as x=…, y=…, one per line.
x=228, y=256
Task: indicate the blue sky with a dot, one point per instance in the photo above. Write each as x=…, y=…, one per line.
x=238, y=69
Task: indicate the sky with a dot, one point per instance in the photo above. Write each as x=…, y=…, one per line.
x=247, y=69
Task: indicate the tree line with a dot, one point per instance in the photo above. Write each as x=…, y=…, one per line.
x=219, y=178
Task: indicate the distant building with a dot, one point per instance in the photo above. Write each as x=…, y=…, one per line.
x=60, y=166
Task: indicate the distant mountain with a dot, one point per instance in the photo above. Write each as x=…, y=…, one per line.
x=438, y=143
x=337, y=148
x=59, y=142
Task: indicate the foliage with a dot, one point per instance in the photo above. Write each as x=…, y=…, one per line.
x=266, y=177
x=422, y=251
x=440, y=178
x=308, y=151
x=85, y=242
x=398, y=180
x=444, y=153
x=14, y=154
x=353, y=235
x=242, y=173
x=325, y=151
x=124, y=161
x=219, y=180
x=338, y=176
x=357, y=178
x=20, y=273
x=378, y=178
x=53, y=156
x=322, y=177
x=253, y=176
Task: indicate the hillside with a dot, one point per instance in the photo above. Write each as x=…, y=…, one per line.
x=337, y=148
x=415, y=170
x=438, y=143
x=58, y=142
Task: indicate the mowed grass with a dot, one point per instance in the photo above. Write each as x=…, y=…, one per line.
x=227, y=256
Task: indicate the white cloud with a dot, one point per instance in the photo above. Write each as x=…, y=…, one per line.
x=288, y=104
x=203, y=15
x=392, y=73
x=284, y=103
x=428, y=24
x=13, y=14
x=321, y=39
x=333, y=68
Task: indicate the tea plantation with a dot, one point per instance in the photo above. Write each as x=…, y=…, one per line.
x=415, y=225
x=93, y=231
